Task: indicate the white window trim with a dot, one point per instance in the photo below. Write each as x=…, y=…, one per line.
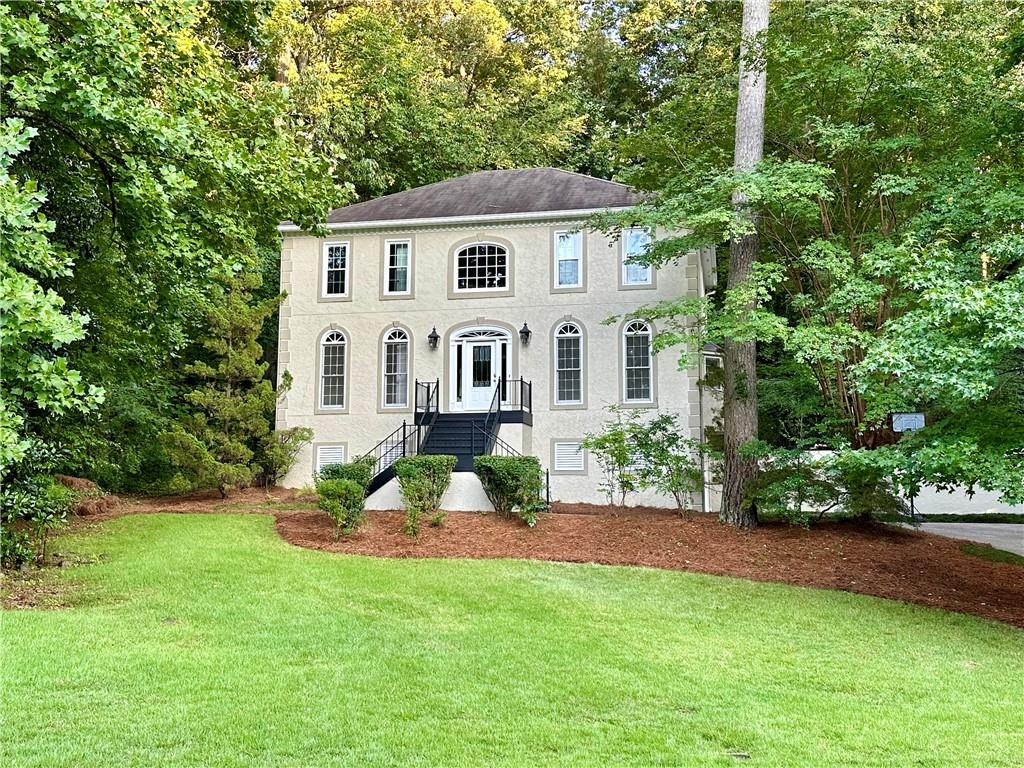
x=323, y=269
x=625, y=256
x=387, y=268
x=345, y=371
x=508, y=269
x=384, y=371
x=650, y=364
x=579, y=340
x=577, y=236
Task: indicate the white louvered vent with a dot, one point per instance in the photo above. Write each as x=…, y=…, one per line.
x=329, y=454
x=568, y=457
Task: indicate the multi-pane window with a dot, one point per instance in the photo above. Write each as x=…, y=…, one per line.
x=635, y=243
x=481, y=267
x=396, y=369
x=398, y=255
x=335, y=276
x=568, y=260
x=568, y=364
x=637, y=358
x=332, y=370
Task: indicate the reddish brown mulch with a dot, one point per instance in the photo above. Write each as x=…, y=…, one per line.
x=856, y=557
x=867, y=558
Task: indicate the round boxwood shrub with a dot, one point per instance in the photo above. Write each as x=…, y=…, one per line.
x=512, y=484
x=343, y=500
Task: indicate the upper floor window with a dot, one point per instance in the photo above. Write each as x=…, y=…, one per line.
x=635, y=243
x=395, y=370
x=335, y=269
x=398, y=267
x=636, y=347
x=568, y=259
x=332, y=370
x=481, y=267
x=568, y=364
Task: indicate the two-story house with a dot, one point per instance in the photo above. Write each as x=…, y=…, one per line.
x=469, y=316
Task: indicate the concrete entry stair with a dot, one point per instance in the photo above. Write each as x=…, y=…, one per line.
x=465, y=494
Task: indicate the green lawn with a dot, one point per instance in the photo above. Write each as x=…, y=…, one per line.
x=204, y=640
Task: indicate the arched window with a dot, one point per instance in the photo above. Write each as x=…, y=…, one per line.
x=636, y=356
x=332, y=369
x=481, y=267
x=568, y=364
x=395, y=368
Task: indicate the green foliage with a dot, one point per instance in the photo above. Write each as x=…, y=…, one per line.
x=164, y=162
x=343, y=500
x=407, y=94
x=30, y=508
x=637, y=453
x=278, y=451
x=801, y=486
x=616, y=453
x=890, y=250
x=512, y=484
x=423, y=479
x=33, y=323
x=234, y=402
x=359, y=471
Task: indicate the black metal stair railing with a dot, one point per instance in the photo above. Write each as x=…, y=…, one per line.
x=490, y=444
x=428, y=406
x=408, y=439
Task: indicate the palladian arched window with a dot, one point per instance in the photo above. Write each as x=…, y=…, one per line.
x=395, y=368
x=482, y=267
x=333, y=348
x=568, y=364
x=636, y=358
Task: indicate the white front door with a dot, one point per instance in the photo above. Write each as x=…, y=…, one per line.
x=480, y=375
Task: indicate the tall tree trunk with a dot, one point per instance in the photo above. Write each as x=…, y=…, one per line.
x=739, y=359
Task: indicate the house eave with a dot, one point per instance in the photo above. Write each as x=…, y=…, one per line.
x=493, y=218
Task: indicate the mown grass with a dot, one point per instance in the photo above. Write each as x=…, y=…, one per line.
x=206, y=640
x=988, y=552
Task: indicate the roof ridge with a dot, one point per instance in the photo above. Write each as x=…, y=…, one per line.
x=577, y=173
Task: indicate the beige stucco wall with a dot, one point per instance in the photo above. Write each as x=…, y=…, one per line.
x=304, y=317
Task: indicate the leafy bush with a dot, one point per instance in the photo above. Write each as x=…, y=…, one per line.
x=512, y=483
x=615, y=451
x=801, y=486
x=423, y=479
x=343, y=500
x=636, y=455
x=359, y=471
x=30, y=508
x=278, y=452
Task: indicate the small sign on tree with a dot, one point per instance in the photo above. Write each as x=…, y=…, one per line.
x=907, y=422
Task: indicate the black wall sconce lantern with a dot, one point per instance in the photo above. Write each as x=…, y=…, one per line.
x=433, y=338
x=524, y=334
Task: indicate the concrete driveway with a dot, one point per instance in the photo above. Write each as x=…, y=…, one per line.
x=1000, y=535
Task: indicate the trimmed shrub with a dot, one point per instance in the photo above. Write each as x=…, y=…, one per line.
x=343, y=500
x=512, y=484
x=423, y=479
x=359, y=471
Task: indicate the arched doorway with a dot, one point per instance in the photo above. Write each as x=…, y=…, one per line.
x=480, y=361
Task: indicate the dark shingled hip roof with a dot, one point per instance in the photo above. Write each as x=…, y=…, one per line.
x=528, y=190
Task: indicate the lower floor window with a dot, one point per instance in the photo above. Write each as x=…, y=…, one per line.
x=637, y=362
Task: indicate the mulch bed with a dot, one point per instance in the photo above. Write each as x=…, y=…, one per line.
x=870, y=559
x=867, y=558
